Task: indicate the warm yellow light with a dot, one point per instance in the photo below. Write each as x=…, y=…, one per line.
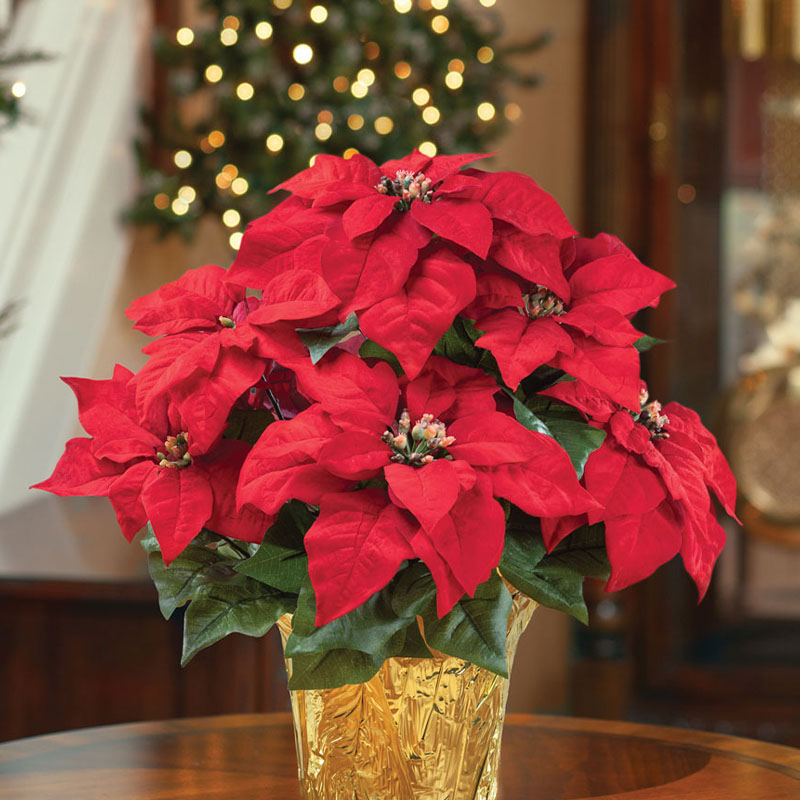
x=439, y=5
x=421, y=96
x=512, y=111
x=231, y=170
x=282, y=4
x=454, y=80
x=366, y=76
x=487, y=3
x=245, y=91
x=312, y=160
x=231, y=22
x=302, y=53
x=431, y=115
x=325, y=116
x=428, y=149
x=161, y=201
x=216, y=138
x=231, y=217
x=318, y=14
x=384, y=125
x=485, y=54
x=18, y=89
x=213, y=73
x=372, y=50
x=187, y=194
x=355, y=122
x=359, y=89
x=296, y=91
x=455, y=65
x=235, y=240
x=263, y=30
x=341, y=84
x=182, y=159
x=486, y=111
x=349, y=153
x=323, y=131
x=179, y=207
x=239, y=186
x=440, y=23
x=402, y=69
x=184, y=36
x=274, y=142
x=228, y=36
x=222, y=180
x=402, y=6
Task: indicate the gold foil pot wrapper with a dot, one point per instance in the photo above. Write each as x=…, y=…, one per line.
x=420, y=729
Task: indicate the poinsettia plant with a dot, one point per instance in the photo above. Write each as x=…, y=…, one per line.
x=415, y=387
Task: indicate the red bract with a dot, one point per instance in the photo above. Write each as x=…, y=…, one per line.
x=433, y=482
x=566, y=304
x=155, y=473
x=652, y=475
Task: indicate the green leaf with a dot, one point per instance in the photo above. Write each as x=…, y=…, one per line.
x=527, y=418
x=241, y=605
x=458, y=345
x=584, y=550
x=248, y=424
x=578, y=439
x=320, y=340
x=475, y=628
x=646, y=342
x=370, y=349
x=413, y=590
x=332, y=668
x=414, y=645
x=372, y=628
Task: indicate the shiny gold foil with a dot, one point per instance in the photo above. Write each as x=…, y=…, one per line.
x=420, y=729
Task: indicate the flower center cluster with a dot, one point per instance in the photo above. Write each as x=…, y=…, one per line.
x=407, y=186
x=651, y=417
x=419, y=445
x=543, y=303
x=176, y=452
x=226, y=322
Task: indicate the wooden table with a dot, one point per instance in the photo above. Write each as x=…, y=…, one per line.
x=251, y=757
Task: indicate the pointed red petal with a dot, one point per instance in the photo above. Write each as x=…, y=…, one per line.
x=465, y=222
x=535, y=258
x=328, y=169
x=365, y=214
x=605, y=325
x=80, y=472
x=126, y=497
x=450, y=391
x=355, y=455
x=296, y=295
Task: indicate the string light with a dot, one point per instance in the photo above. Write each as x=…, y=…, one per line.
x=179, y=207
x=421, y=96
x=359, y=89
x=274, y=142
x=282, y=4
x=355, y=122
x=402, y=69
x=487, y=3
x=455, y=65
x=486, y=111
x=18, y=89
x=325, y=116
x=231, y=217
x=372, y=50
x=263, y=30
x=245, y=91
x=216, y=138
x=231, y=22
x=439, y=5
x=323, y=131
x=235, y=240
x=318, y=14
x=222, y=180
x=228, y=36
x=187, y=194
x=454, y=80
x=485, y=54
x=431, y=115
x=213, y=73
x=184, y=36
x=349, y=153
x=366, y=76
x=428, y=149
x=384, y=125
x=312, y=160
x=239, y=185
x=161, y=201
x=231, y=170
x=341, y=84
x=402, y=6
x=296, y=91
x=302, y=53
x=440, y=23
x=512, y=111
x=182, y=159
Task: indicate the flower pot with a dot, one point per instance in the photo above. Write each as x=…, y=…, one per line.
x=420, y=729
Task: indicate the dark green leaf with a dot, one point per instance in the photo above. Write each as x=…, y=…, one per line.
x=241, y=605
x=578, y=439
x=647, y=342
x=584, y=550
x=370, y=349
x=248, y=424
x=527, y=418
x=332, y=668
x=320, y=340
x=475, y=628
x=414, y=645
x=412, y=590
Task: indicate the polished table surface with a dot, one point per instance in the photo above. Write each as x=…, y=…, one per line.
x=251, y=757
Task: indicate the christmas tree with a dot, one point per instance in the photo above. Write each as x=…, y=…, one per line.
x=260, y=88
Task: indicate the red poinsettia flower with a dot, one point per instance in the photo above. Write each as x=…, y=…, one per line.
x=155, y=473
x=435, y=454
x=652, y=475
x=218, y=343
x=566, y=304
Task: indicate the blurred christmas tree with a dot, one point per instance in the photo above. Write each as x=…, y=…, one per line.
x=261, y=87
